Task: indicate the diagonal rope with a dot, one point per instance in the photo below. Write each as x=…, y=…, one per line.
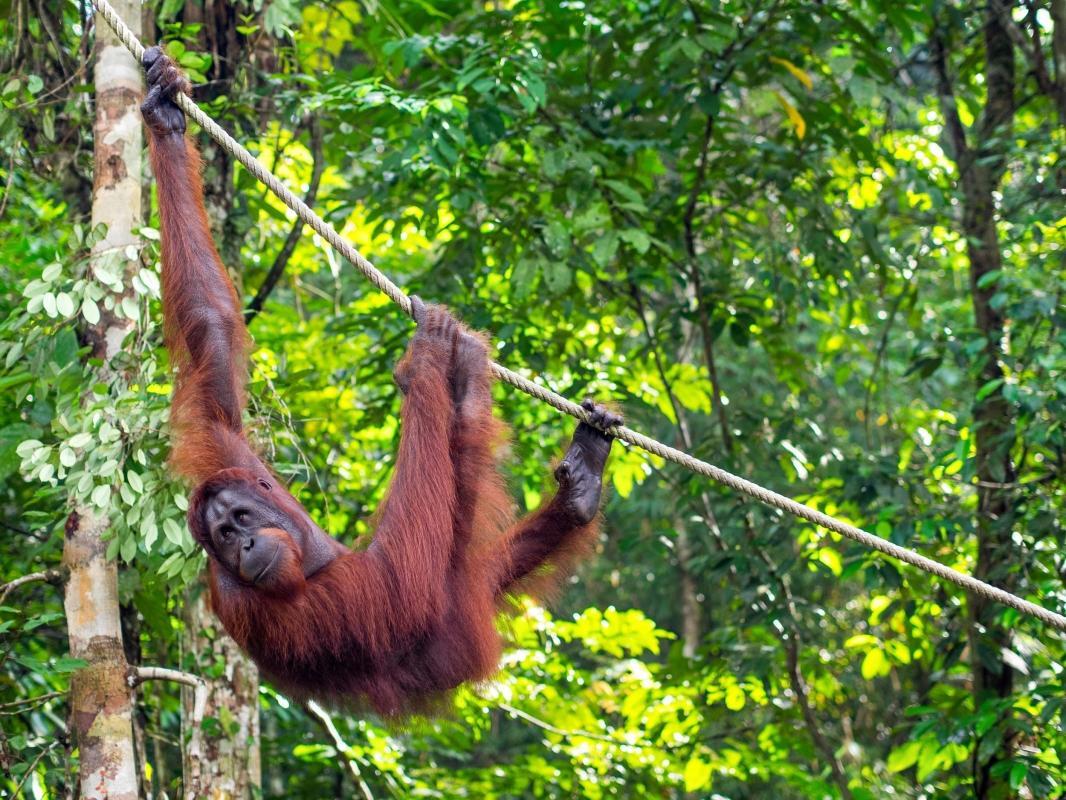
x=397, y=295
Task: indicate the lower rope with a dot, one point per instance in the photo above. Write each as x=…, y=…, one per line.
x=396, y=294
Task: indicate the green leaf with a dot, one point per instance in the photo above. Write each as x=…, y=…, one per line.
x=279, y=16
x=557, y=276
x=524, y=275
x=697, y=775
x=79, y=440
x=172, y=565
x=603, y=251
x=639, y=240
x=875, y=665
x=1018, y=771
x=172, y=531
x=928, y=759
x=128, y=549
x=557, y=236
x=135, y=481
x=988, y=388
x=90, y=311
x=64, y=665
x=628, y=193
x=18, y=379
x=65, y=305
x=904, y=757
x=101, y=496
x=169, y=9
x=734, y=697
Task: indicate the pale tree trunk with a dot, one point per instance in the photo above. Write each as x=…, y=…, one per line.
x=226, y=763
x=101, y=700
x=691, y=608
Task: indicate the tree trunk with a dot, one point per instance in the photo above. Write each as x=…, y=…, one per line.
x=101, y=700
x=993, y=416
x=225, y=761
x=691, y=608
x=981, y=165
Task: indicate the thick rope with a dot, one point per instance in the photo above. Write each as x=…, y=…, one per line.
x=396, y=294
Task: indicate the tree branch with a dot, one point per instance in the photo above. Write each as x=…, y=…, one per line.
x=1051, y=85
x=697, y=187
x=283, y=256
x=17, y=704
x=547, y=726
x=40, y=537
x=999, y=74
x=32, y=768
x=139, y=675
x=949, y=108
x=799, y=687
x=49, y=575
x=325, y=721
x=1058, y=43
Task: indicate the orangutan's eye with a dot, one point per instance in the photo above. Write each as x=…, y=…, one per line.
x=264, y=485
x=241, y=517
x=226, y=533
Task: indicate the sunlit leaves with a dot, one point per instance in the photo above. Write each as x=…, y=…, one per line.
x=613, y=632
x=538, y=168
x=697, y=775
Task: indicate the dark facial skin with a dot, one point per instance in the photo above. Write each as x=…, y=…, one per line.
x=234, y=518
x=248, y=532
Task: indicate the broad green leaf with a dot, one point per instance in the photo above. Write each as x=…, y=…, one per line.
x=904, y=757
x=697, y=775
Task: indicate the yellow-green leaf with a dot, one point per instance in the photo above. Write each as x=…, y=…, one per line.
x=861, y=640
x=697, y=775
x=734, y=698
x=904, y=757
x=794, y=116
x=875, y=665
x=831, y=559
x=798, y=73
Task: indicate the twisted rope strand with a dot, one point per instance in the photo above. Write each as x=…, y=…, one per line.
x=397, y=295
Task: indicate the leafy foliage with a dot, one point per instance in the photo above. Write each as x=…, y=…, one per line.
x=743, y=223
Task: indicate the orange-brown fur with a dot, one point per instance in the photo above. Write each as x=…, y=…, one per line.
x=408, y=619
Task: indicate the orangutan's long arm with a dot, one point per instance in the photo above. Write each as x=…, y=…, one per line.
x=203, y=325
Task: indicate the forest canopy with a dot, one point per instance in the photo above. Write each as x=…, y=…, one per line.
x=819, y=244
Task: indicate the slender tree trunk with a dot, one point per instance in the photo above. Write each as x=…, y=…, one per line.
x=691, y=608
x=981, y=165
x=101, y=700
x=225, y=761
x=692, y=627
x=993, y=416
